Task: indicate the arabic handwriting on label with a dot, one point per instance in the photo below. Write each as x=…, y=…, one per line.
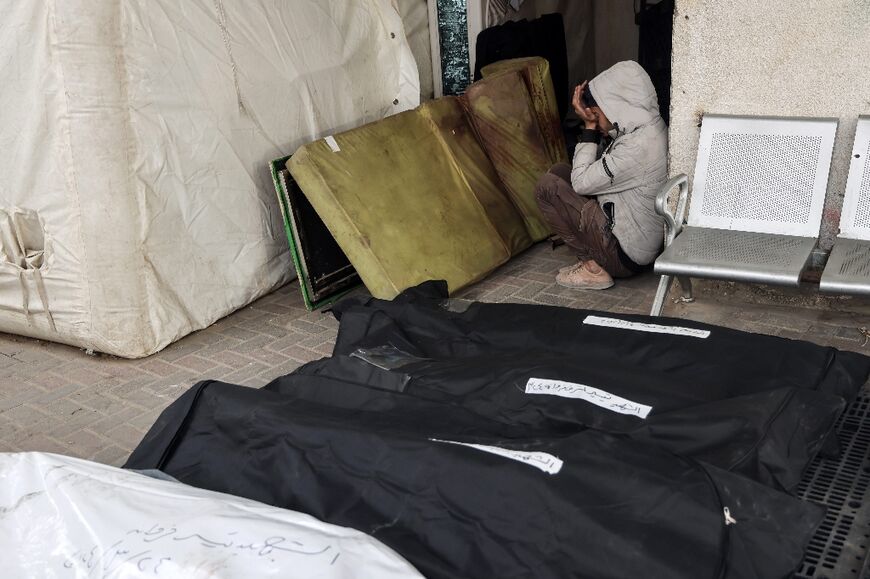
x=150, y=549
x=641, y=327
x=600, y=398
x=543, y=461
x=113, y=560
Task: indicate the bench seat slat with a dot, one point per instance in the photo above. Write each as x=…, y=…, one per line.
x=736, y=255
x=848, y=268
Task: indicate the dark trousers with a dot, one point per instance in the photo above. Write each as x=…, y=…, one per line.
x=578, y=220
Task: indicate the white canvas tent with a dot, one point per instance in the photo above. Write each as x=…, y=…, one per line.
x=135, y=199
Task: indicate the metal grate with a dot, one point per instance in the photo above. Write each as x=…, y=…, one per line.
x=720, y=246
x=762, y=177
x=839, y=548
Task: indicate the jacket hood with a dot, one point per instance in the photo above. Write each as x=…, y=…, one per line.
x=626, y=95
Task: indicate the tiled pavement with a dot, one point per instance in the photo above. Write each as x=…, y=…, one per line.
x=58, y=399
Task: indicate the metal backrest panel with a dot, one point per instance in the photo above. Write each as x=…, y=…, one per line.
x=762, y=174
x=855, y=218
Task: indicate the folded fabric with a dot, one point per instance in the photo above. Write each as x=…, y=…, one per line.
x=472, y=505
x=65, y=517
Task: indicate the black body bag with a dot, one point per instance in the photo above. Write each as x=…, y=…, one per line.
x=769, y=436
x=719, y=362
x=429, y=480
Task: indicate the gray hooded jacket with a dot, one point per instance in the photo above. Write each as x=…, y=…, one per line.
x=634, y=167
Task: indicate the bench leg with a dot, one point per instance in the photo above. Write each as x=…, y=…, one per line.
x=661, y=295
x=686, y=286
x=665, y=287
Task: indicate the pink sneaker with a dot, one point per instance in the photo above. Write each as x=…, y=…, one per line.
x=568, y=268
x=590, y=276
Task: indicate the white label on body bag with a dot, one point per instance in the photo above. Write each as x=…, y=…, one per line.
x=641, y=327
x=540, y=460
x=589, y=394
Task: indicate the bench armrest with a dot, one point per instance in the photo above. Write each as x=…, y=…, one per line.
x=673, y=221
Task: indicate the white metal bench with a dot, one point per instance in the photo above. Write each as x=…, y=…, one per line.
x=848, y=267
x=757, y=201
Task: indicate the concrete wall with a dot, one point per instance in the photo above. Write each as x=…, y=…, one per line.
x=771, y=57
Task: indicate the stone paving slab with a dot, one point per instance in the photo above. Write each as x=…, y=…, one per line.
x=56, y=398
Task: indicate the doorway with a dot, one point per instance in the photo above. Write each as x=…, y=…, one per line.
x=598, y=34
